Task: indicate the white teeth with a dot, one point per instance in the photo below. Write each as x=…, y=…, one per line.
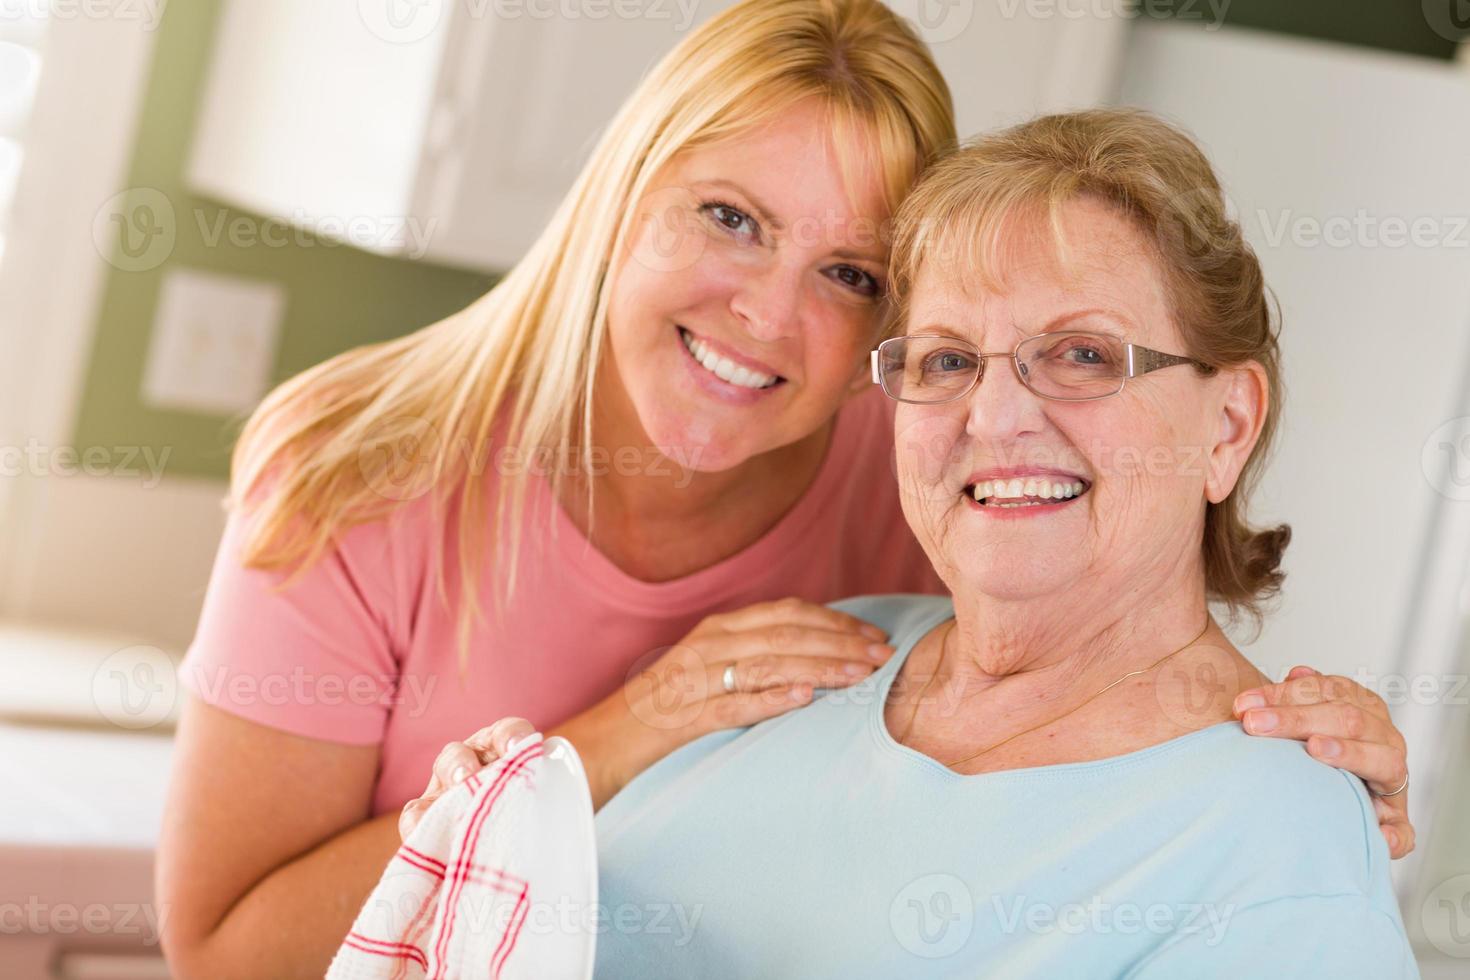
x=724, y=368
x=1013, y=490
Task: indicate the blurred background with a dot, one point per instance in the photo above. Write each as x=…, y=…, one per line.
x=200, y=199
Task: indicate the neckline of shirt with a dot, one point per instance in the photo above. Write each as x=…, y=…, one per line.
x=596, y=571
x=882, y=682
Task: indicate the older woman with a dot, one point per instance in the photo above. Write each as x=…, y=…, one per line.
x=1046, y=779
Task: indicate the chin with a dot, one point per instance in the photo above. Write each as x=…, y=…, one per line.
x=1010, y=570
x=696, y=442
x=1014, y=583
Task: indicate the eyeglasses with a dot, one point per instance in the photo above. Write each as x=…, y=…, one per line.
x=1070, y=367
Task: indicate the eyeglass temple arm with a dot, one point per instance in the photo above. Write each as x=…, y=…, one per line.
x=1142, y=360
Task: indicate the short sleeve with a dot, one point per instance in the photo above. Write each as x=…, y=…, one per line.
x=1342, y=936
x=313, y=659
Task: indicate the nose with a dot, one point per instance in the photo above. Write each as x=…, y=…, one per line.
x=1000, y=407
x=768, y=302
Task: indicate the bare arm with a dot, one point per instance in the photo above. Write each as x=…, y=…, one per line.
x=267, y=850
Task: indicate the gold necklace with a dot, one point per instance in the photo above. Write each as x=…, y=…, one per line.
x=944, y=650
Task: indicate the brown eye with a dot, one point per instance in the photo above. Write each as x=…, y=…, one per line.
x=855, y=278
x=731, y=218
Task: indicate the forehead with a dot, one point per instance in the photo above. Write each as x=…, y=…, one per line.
x=1095, y=268
x=798, y=164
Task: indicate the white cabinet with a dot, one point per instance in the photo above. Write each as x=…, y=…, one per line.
x=448, y=130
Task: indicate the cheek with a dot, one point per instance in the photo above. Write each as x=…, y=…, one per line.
x=1149, y=470
x=836, y=338
x=925, y=442
x=668, y=236
x=931, y=460
x=648, y=293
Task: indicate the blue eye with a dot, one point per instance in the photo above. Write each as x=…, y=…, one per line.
x=1081, y=352
x=948, y=361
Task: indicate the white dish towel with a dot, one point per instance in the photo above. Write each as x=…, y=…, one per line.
x=453, y=901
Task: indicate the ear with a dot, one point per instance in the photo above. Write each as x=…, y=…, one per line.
x=1247, y=398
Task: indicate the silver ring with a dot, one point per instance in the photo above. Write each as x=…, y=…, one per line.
x=1396, y=792
x=727, y=680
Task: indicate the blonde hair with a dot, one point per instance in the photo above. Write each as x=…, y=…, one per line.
x=1154, y=174
x=352, y=438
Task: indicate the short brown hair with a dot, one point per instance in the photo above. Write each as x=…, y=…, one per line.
x=1156, y=175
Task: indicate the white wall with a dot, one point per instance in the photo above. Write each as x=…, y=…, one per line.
x=123, y=556
x=1376, y=338
x=1314, y=138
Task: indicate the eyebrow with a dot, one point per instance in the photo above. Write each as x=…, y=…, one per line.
x=764, y=213
x=1052, y=326
x=860, y=256
x=1102, y=312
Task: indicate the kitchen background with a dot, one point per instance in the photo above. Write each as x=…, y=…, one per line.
x=199, y=200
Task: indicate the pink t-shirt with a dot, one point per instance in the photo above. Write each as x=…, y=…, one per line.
x=361, y=650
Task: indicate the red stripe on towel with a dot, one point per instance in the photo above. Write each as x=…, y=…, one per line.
x=426, y=858
x=379, y=947
x=467, y=847
x=512, y=932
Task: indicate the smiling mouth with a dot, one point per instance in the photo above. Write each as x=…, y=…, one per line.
x=724, y=368
x=1028, y=491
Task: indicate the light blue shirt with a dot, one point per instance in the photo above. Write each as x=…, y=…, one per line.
x=814, y=845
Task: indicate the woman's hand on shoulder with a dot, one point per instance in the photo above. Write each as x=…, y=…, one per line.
x=738, y=668
x=1344, y=725
x=774, y=654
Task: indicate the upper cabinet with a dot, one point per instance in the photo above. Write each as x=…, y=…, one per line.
x=448, y=130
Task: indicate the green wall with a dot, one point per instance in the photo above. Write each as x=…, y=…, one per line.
x=337, y=297
x=1389, y=25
